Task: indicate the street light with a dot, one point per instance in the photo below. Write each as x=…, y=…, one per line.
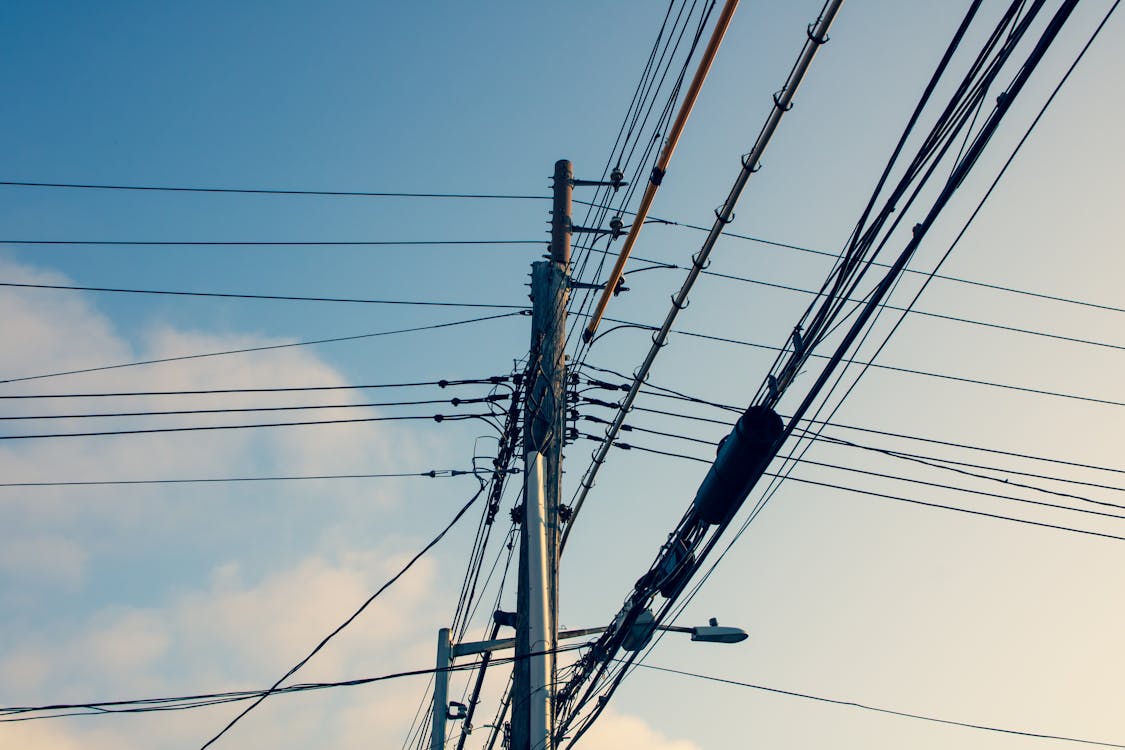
x=447, y=651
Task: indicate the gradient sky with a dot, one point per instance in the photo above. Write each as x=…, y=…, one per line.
x=138, y=591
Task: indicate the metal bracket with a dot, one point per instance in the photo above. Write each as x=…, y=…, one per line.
x=599, y=183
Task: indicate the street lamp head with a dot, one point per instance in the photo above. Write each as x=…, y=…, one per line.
x=714, y=633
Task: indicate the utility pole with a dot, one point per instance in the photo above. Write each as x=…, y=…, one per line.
x=544, y=431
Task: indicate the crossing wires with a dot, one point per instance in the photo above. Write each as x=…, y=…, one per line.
x=817, y=36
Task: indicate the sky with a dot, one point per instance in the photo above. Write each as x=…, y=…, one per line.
x=147, y=590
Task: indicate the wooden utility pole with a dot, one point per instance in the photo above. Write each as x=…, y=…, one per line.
x=544, y=431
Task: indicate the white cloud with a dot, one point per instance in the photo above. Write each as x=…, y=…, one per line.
x=123, y=592
x=232, y=635
x=51, y=534
x=48, y=556
x=613, y=731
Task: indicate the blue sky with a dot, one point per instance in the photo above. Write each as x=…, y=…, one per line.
x=123, y=592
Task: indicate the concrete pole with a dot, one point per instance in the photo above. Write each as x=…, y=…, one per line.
x=544, y=430
x=441, y=690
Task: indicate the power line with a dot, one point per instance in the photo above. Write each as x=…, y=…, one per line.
x=249, y=409
x=891, y=368
x=432, y=474
x=434, y=417
x=943, y=277
x=293, y=670
x=267, y=243
x=885, y=496
x=273, y=191
x=201, y=700
x=936, y=462
x=289, y=298
x=876, y=264
x=923, y=313
x=946, y=464
x=866, y=707
x=673, y=394
x=494, y=380
x=246, y=350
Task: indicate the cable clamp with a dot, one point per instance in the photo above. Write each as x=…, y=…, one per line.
x=701, y=266
x=657, y=176
x=771, y=383
x=817, y=40
x=798, y=342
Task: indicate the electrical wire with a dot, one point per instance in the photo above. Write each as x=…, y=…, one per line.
x=351, y=618
x=920, y=313
x=670, y=393
x=269, y=347
x=266, y=243
x=494, y=380
x=432, y=474
x=877, y=709
x=871, y=493
x=889, y=368
x=196, y=428
x=277, y=297
x=250, y=409
x=187, y=702
x=272, y=191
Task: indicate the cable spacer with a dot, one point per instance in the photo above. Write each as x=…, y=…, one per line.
x=678, y=305
x=723, y=221
x=701, y=266
x=817, y=40
x=746, y=165
x=777, y=102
